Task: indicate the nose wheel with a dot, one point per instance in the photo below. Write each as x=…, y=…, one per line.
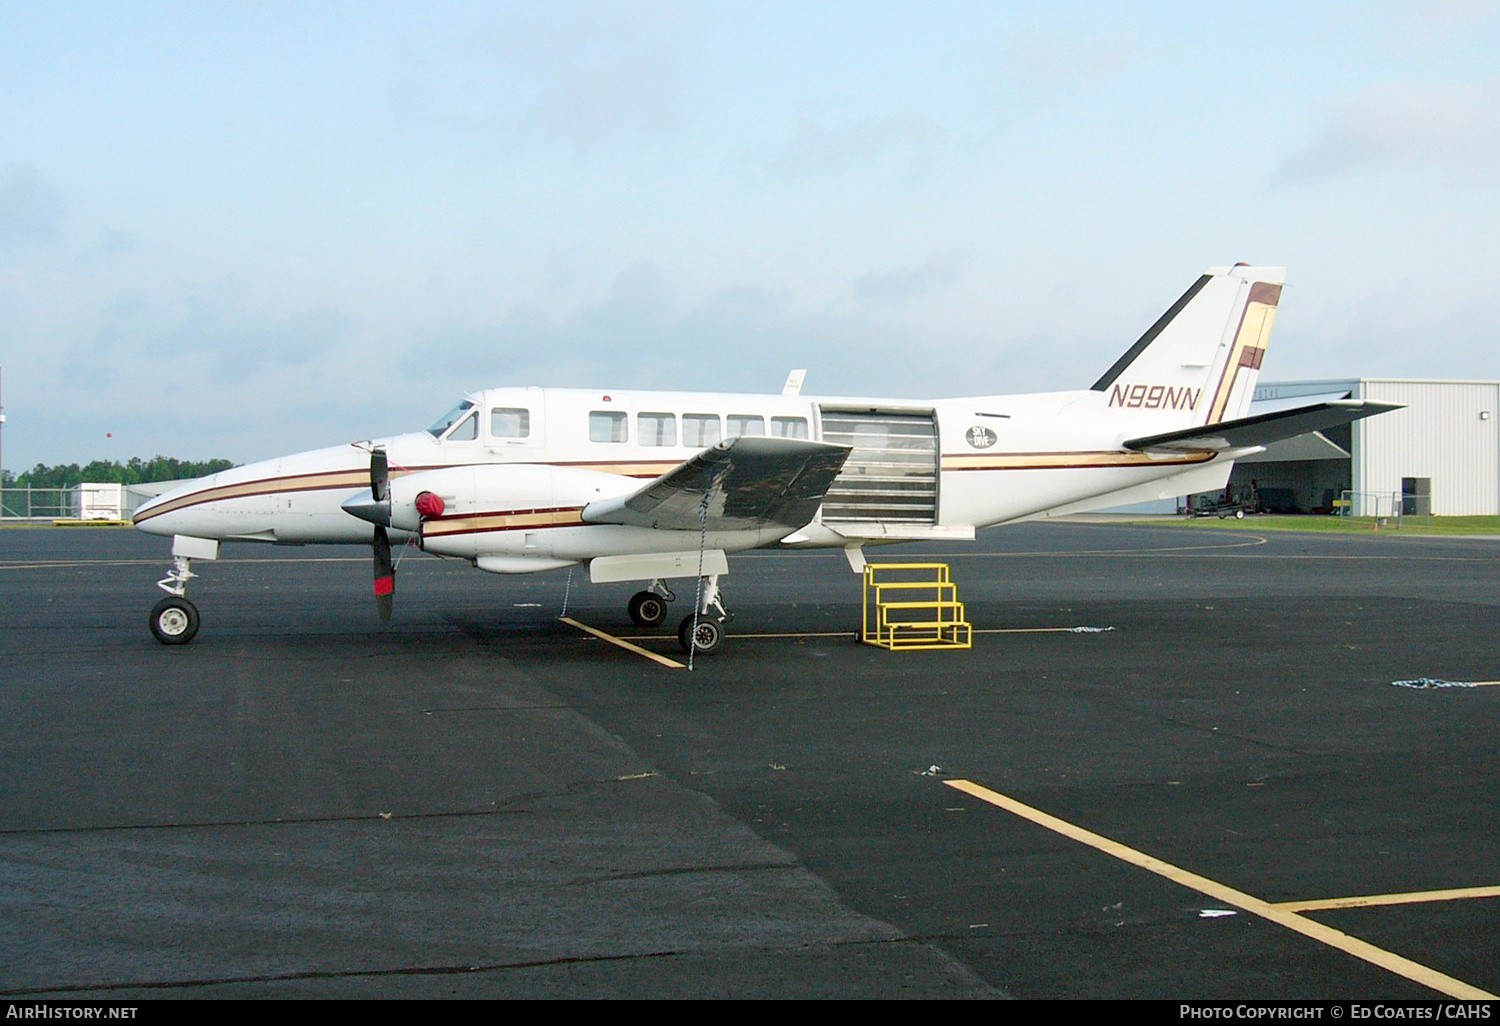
x=174, y=620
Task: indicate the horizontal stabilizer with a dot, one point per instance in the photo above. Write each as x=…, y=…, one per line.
x=748, y=482
x=1262, y=429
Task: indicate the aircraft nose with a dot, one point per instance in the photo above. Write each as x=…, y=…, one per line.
x=157, y=516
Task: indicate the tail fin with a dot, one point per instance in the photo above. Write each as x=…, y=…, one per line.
x=1203, y=355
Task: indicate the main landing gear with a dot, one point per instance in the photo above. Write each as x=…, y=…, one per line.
x=704, y=633
x=649, y=608
x=705, y=636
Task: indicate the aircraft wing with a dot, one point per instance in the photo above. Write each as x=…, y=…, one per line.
x=1262, y=429
x=749, y=482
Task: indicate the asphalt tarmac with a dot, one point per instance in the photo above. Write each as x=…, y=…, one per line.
x=478, y=800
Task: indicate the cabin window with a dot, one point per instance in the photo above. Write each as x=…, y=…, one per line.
x=741, y=424
x=448, y=419
x=788, y=427
x=656, y=428
x=700, y=430
x=507, y=423
x=608, y=426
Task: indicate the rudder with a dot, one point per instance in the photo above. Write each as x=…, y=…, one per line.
x=1201, y=358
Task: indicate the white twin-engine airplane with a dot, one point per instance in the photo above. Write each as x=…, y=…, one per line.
x=650, y=486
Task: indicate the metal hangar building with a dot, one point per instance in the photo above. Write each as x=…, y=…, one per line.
x=1440, y=455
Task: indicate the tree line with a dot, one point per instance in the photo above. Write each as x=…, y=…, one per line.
x=134, y=471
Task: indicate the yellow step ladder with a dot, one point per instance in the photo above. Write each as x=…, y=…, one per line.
x=913, y=606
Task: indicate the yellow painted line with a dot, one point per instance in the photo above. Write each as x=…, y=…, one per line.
x=622, y=643
x=1034, y=630
x=851, y=633
x=742, y=637
x=1387, y=960
x=1371, y=900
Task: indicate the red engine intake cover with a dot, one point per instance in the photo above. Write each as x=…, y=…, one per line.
x=430, y=505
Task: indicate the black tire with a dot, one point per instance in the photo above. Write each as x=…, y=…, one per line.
x=1239, y=514
x=710, y=636
x=174, y=621
x=648, y=609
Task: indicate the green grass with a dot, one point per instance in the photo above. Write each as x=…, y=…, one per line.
x=1346, y=525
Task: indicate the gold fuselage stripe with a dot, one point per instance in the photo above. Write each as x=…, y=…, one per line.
x=352, y=479
x=509, y=520
x=1067, y=460
x=328, y=480
x=316, y=482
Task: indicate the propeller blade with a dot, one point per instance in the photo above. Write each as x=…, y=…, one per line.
x=380, y=475
x=385, y=574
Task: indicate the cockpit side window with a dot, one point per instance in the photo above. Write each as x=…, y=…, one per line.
x=466, y=431
x=448, y=419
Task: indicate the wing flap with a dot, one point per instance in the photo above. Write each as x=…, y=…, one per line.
x=1262, y=429
x=748, y=482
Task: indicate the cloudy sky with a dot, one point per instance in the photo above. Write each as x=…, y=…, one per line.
x=242, y=229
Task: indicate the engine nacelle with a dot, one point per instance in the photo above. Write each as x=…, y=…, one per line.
x=495, y=501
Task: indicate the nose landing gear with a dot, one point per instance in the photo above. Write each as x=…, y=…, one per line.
x=174, y=620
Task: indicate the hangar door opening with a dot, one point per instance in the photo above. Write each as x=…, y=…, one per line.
x=892, y=474
x=1307, y=474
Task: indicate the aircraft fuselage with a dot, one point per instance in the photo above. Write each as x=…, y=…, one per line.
x=935, y=470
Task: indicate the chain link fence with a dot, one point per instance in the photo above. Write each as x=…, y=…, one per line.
x=22, y=504
x=1385, y=507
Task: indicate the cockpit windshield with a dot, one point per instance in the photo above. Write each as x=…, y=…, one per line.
x=446, y=421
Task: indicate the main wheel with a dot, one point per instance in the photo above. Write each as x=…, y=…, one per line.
x=174, y=621
x=648, y=609
x=708, y=636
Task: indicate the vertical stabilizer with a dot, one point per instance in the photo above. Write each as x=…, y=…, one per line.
x=1200, y=360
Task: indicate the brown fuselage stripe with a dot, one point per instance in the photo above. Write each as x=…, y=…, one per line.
x=329, y=480
x=1067, y=460
x=318, y=482
x=625, y=468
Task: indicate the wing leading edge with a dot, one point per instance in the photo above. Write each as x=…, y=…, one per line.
x=1262, y=429
x=749, y=483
